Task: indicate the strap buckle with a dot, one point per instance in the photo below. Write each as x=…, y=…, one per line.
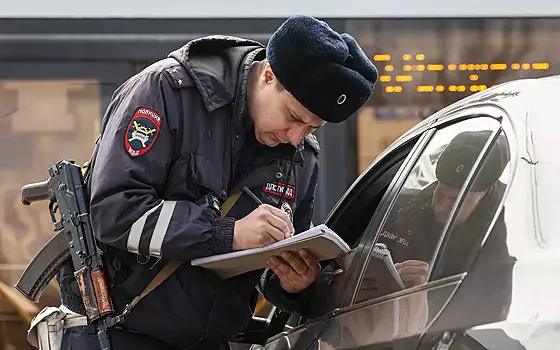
x=210, y=200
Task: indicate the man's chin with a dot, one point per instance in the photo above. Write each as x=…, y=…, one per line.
x=267, y=141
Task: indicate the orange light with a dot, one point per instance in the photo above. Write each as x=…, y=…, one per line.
x=461, y=88
x=407, y=67
x=477, y=67
x=452, y=67
x=515, y=66
x=424, y=88
x=389, y=89
x=484, y=66
x=385, y=78
x=440, y=88
x=540, y=66
x=470, y=66
x=389, y=68
x=420, y=57
x=382, y=57
x=474, y=88
x=473, y=77
x=452, y=88
x=398, y=88
x=498, y=66
x=420, y=67
x=433, y=67
x=482, y=87
x=406, y=57
x=463, y=67
x=404, y=78
x=526, y=66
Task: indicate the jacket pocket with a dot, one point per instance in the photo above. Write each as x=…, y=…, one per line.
x=206, y=173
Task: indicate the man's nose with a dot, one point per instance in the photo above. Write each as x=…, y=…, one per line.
x=296, y=133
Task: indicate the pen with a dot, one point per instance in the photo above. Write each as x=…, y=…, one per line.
x=252, y=195
x=255, y=198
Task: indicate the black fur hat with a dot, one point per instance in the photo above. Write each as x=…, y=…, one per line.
x=327, y=72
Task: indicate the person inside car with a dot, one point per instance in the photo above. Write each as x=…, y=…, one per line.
x=411, y=236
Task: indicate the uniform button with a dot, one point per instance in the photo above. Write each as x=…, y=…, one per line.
x=224, y=193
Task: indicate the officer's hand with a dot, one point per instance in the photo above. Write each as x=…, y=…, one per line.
x=413, y=272
x=296, y=271
x=263, y=226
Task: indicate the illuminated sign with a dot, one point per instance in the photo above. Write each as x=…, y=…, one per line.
x=413, y=71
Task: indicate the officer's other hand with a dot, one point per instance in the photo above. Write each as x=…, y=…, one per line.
x=296, y=271
x=413, y=272
x=263, y=226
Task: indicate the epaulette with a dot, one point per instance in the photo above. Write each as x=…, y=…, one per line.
x=179, y=77
x=313, y=142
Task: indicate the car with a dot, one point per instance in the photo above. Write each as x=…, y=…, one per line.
x=486, y=277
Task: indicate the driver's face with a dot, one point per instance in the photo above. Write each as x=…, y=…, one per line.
x=444, y=198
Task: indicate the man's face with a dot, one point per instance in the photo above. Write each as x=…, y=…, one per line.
x=277, y=116
x=444, y=198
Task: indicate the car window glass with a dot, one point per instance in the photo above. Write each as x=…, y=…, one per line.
x=478, y=209
x=410, y=235
x=351, y=225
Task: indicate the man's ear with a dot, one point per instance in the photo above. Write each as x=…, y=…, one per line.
x=268, y=74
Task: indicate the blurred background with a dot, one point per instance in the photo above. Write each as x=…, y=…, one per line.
x=60, y=61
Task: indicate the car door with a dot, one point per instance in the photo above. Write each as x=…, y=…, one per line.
x=381, y=313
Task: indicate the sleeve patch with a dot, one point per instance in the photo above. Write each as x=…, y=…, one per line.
x=142, y=131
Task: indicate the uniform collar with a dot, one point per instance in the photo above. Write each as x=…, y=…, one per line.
x=240, y=111
x=217, y=64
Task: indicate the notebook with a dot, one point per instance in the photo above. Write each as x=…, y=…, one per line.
x=320, y=240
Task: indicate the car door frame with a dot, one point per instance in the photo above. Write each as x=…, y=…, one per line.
x=388, y=200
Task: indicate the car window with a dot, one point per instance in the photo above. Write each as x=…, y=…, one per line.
x=478, y=209
x=403, y=251
x=350, y=222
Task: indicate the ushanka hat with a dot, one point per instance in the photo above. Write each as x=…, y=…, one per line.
x=327, y=72
x=460, y=155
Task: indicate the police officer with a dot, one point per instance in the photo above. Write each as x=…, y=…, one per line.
x=179, y=141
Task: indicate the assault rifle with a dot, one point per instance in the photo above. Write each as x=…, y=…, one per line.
x=66, y=191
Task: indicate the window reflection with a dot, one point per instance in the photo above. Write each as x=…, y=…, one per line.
x=41, y=122
x=410, y=236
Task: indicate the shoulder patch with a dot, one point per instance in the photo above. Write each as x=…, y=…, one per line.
x=313, y=142
x=142, y=131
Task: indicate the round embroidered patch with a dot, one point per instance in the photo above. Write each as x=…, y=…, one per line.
x=142, y=131
x=288, y=210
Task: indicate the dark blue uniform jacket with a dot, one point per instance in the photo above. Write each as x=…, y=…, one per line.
x=174, y=132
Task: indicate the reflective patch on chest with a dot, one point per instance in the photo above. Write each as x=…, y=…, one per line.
x=142, y=131
x=394, y=237
x=276, y=188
